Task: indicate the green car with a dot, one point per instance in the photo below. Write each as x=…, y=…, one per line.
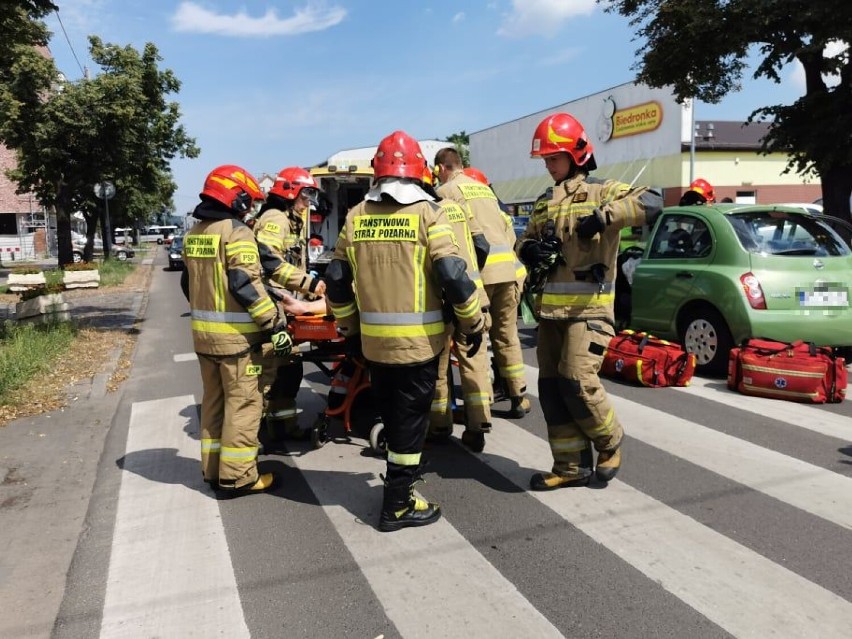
x=713, y=276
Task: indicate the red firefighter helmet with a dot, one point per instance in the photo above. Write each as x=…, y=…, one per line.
x=476, y=174
x=428, y=175
x=703, y=188
x=562, y=133
x=399, y=155
x=233, y=186
x=290, y=182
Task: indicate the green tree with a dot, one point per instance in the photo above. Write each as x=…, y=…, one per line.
x=461, y=142
x=20, y=27
x=117, y=126
x=701, y=48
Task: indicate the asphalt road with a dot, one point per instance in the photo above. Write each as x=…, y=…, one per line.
x=732, y=516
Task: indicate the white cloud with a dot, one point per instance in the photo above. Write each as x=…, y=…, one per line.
x=833, y=49
x=542, y=17
x=458, y=17
x=193, y=18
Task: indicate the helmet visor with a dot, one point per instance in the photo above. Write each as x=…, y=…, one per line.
x=311, y=194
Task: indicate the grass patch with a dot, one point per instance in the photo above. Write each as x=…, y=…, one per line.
x=114, y=272
x=27, y=350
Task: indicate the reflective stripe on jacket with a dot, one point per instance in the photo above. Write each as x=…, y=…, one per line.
x=481, y=204
x=230, y=308
x=383, y=284
x=584, y=287
x=275, y=234
x=459, y=221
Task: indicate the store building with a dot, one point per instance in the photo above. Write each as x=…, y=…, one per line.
x=641, y=133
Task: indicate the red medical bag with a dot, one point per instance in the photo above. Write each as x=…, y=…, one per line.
x=797, y=371
x=649, y=360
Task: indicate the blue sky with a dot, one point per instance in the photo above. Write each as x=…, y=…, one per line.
x=269, y=83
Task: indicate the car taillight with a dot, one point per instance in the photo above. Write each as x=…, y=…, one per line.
x=753, y=291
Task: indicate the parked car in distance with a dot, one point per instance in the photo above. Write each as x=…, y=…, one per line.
x=78, y=246
x=713, y=276
x=176, y=253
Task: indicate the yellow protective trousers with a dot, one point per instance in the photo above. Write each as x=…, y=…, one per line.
x=576, y=407
x=475, y=381
x=231, y=408
x=504, y=298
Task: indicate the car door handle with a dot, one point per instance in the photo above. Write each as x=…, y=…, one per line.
x=684, y=275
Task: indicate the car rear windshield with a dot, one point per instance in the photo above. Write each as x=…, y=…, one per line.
x=780, y=233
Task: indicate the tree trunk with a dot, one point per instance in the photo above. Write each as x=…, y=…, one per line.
x=63, y=236
x=836, y=194
x=91, y=229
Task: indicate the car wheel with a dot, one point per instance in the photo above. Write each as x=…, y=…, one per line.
x=121, y=256
x=77, y=257
x=704, y=332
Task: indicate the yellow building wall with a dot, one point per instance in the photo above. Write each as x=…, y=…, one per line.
x=727, y=171
x=743, y=169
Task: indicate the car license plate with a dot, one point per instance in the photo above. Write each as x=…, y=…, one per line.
x=823, y=298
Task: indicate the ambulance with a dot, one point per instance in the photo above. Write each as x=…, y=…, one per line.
x=344, y=180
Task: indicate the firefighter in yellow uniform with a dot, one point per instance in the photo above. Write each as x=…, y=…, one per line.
x=473, y=369
x=571, y=245
x=394, y=256
x=283, y=256
x=500, y=275
x=232, y=316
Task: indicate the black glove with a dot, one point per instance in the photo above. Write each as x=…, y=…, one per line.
x=545, y=252
x=282, y=342
x=473, y=341
x=352, y=346
x=590, y=225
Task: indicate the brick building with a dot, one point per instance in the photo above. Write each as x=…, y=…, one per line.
x=23, y=221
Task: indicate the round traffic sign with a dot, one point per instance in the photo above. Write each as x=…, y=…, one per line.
x=104, y=190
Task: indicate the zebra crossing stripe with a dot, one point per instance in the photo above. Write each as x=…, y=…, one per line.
x=801, y=415
x=734, y=587
x=170, y=572
x=810, y=488
x=431, y=581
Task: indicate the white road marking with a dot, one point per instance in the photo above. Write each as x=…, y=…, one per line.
x=810, y=488
x=813, y=489
x=431, y=581
x=736, y=588
x=801, y=415
x=170, y=572
x=185, y=357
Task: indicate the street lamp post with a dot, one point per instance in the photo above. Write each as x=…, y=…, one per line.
x=106, y=191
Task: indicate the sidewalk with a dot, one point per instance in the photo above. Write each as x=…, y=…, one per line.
x=48, y=465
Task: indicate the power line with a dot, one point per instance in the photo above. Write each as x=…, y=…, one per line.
x=68, y=40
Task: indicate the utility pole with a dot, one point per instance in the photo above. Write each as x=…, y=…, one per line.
x=105, y=191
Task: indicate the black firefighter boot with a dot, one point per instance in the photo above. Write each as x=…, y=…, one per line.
x=401, y=509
